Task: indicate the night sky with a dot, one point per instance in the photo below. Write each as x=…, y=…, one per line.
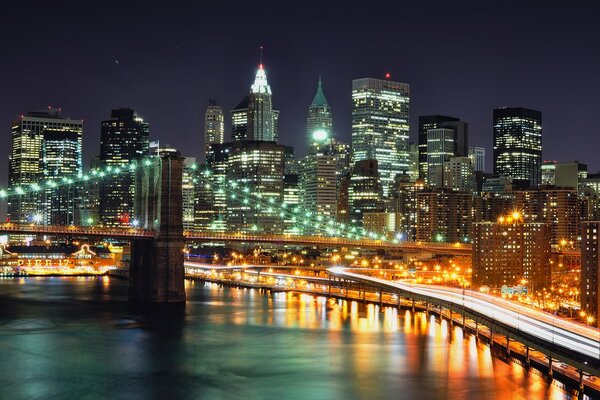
x=167, y=59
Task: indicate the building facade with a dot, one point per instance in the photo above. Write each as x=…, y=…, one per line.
x=258, y=166
x=511, y=252
x=380, y=122
x=477, y=156
x=518, y=145
x=124, y=139
x=62, y=163
x=214, y=125
x=364, y=191
x=590, y=269
x=26, y=165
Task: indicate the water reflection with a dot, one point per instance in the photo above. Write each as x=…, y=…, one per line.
x=79, y=338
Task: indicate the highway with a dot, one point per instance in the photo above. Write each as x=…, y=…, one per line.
x=568, y=335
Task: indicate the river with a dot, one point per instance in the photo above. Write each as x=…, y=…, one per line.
x=78, y=338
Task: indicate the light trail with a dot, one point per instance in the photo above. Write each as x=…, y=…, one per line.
x=536, y=323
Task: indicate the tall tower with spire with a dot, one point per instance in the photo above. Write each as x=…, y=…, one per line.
x=319, y=124
x=262, y=119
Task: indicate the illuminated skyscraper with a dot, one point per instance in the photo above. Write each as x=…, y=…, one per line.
x=214, y=125
x=124, y=138
x=518, y=145
x=257, y=166
x=62, y=160
x=254, y=118
x=364, y=191
x=380, y=126
x=318, y=178
x=26, y=159
x=261, y=116
x=427, y=122
x=319, y=122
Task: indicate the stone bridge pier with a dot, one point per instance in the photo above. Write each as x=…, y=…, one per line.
x=156, y=271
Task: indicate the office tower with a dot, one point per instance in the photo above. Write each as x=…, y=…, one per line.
x=26, y=160
x=261, y=116
x=404, y=205
x=413, y=153
x=258, y=166
x=511, y=252
x=319, y=170
x=210, y=207
x=427, y=122
x=364, y=191
x=124, y=139
x=189, y=181
x=61, y=161
x=518, y=145
x=239, y=120
x=459, y=175
x=548, y=173
x=319, y=122
x=318, y=185
x=590, y=267
x=444, y=216
x=254, y=117
x=214, y=125
x=380, y=126
x=441, y=145
x=477, y=155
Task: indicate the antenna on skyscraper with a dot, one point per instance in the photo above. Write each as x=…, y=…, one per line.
x=260, y=55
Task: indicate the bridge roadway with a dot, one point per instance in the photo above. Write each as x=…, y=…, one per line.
x=198, y=236
x=438, y=248
x=560, y=339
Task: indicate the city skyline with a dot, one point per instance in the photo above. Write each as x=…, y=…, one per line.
x=172, y=95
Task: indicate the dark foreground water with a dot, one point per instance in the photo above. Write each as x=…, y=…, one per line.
x=77, y=338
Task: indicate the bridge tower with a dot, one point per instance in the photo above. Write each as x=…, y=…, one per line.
x=156, y=272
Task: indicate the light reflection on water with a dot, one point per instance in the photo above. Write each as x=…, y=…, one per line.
x=79, y=338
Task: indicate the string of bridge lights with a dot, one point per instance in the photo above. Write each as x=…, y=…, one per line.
x=241, y=192
x=93, y=175
x=236, y=190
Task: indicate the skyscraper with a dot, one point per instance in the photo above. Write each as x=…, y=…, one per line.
x=258, y=166
x=380, y=126
x=318, y=178
x=261, y=116
x=254, y=117
x=239, y=120
x=62, y=160
x=518, y=145
x=364, y=191
x=214, y=125
x=440, y=147
x=124, y=138
x=319, y=122
x=26, y=159
x=427, y=122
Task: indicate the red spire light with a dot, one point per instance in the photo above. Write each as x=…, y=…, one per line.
x=388, y=75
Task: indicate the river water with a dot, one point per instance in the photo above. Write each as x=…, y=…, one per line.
x=78, y=338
